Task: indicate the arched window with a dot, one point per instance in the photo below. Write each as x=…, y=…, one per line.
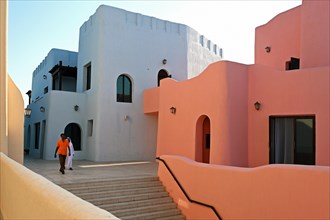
x=162, y=74
x=124, y=89
x=73, y=131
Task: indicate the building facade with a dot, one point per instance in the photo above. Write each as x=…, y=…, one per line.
x=274, y=111
x=100, y=106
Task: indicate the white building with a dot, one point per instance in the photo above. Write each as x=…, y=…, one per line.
x=121, y=54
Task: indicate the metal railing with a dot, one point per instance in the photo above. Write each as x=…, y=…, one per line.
x=185, y=193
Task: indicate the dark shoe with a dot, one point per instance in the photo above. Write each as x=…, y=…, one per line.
x=62, y=171
x=70, y=168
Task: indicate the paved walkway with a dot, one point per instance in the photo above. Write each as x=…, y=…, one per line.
x=84, y=170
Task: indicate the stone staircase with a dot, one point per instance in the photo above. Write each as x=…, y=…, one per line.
x=133, y=198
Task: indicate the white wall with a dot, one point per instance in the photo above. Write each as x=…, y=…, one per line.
x=59, y=118
x=68, y=58
x=201, y=53
x=52, y=110
x=120, y=42
x=114, y=42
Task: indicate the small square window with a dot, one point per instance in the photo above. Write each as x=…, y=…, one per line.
x=90, y=128
x=46, y=90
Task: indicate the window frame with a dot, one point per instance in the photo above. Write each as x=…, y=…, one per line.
x=88, y=76
x=37, y=135
x=120, y=96
x=294, y=117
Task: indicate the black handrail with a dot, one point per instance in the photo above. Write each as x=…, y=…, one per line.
x=184, y=192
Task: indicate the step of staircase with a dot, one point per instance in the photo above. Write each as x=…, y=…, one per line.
x=134, y=204
x=103, y=182
x=104, y=188
x=153, y=215
x=131, y=198
x=145, y=209
x=117, y=199
x=120, y=192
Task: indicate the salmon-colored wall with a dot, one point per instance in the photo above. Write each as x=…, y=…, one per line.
x=315, y=41
x=226, y=93
x=268, y=192
x=282, y=35
x=287, y=93
x=218, y=93
x=151, y=100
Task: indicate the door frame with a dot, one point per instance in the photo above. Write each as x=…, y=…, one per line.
x=200, y=139
x=313, y=117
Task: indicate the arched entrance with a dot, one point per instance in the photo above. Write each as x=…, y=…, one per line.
x=203, y=139
x=73, y=131
x=162, y=74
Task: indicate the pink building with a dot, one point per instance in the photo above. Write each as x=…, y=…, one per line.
x=276, y=111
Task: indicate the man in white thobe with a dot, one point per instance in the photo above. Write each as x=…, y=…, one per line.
x=69, y=158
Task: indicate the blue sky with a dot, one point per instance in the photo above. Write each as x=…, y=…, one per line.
x=35, y=27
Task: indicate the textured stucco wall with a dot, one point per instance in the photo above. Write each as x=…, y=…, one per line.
x=201, y=53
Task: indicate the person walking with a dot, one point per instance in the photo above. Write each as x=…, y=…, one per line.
x=62, y=148
x=69, y=158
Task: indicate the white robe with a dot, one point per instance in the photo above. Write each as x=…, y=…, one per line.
x=69, y=158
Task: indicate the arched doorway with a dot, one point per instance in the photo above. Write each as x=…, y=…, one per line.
x=203, y=139
x=162, y=74
x=73, y=131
